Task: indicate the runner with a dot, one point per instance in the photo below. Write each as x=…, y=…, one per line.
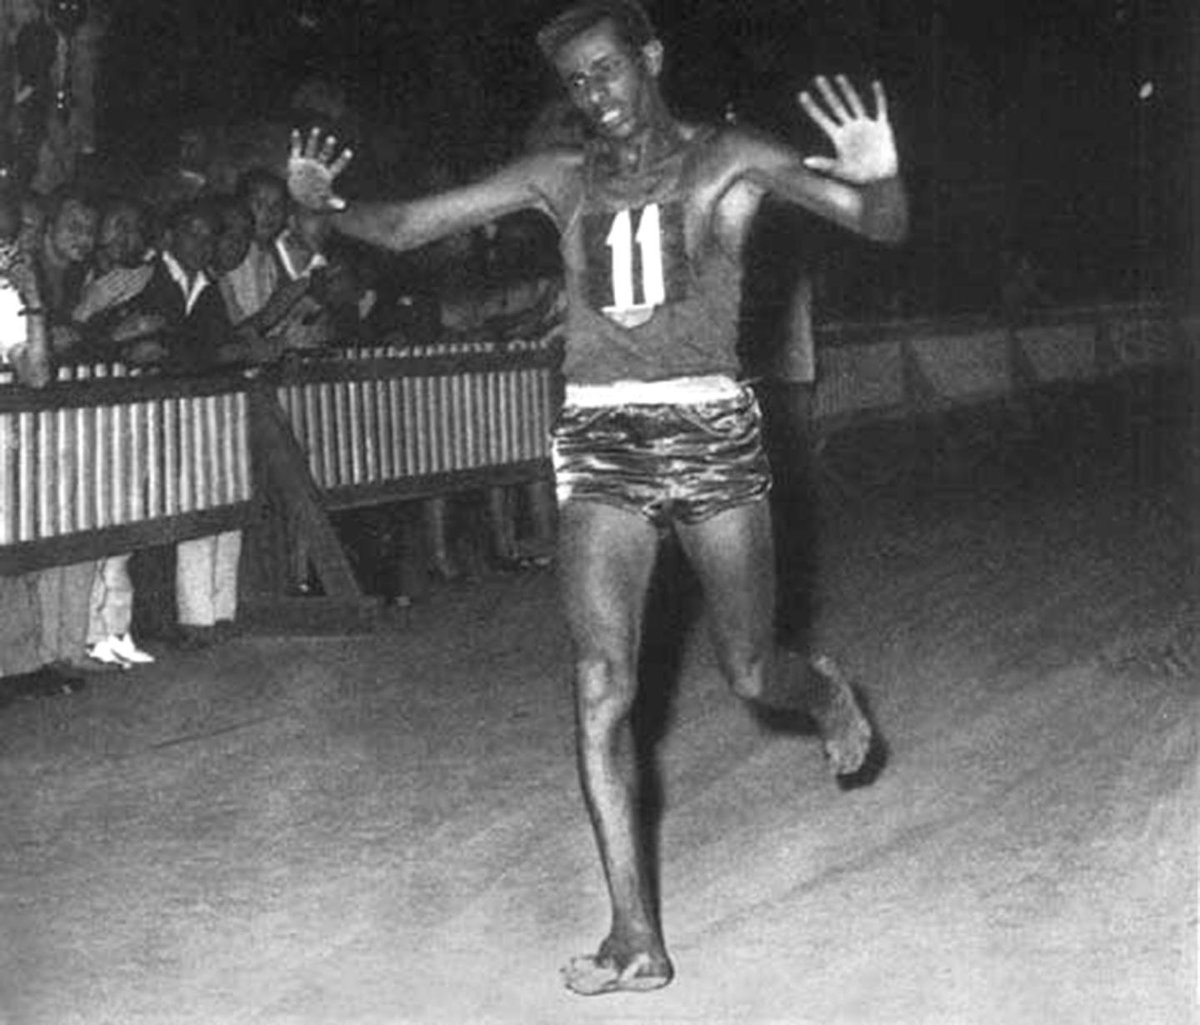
x=657, y=434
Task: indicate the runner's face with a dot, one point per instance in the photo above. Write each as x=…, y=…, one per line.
x=607, y=81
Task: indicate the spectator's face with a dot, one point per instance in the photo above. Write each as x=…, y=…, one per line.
x=233, y=242
x=192, y=244
x=122, y=241
x=268, y=207
x=73, y=232
x=311, y=227
x=608, y=81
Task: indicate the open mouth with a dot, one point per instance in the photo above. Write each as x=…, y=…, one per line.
x=610, y=118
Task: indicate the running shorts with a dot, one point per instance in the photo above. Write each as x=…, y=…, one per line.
x=667, y=461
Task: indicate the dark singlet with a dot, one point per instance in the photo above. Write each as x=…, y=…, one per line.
x=644, y=302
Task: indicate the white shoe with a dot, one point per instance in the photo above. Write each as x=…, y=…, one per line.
x=130, y=652
x=105, y=652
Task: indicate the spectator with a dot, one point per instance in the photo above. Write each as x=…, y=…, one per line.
x=301, y=244
x=196, y=332
x=110, y=615
x=120, y=271
x=60, y=243
x=198, y=336
x=361, y=310
x=63, y=246
x=306, y=324
x=255, y=279
x=26, y=668
x=122, y=265
x=235, y=235
x=258, y=293
x=23, y=338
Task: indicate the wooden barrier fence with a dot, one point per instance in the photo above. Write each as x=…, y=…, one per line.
x=905, y=369
x=385, y=423
x=104, y=460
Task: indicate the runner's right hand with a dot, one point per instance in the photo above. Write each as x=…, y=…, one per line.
x=312, y=166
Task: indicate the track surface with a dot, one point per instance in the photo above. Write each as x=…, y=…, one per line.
x=386, y=829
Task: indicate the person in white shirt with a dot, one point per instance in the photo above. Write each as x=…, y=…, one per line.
x=198, y=337
x=27, y=669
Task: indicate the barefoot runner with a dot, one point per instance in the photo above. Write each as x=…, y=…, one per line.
x=657, y=434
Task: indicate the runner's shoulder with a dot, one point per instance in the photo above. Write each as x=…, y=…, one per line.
x=556, y=174
x=735, y=142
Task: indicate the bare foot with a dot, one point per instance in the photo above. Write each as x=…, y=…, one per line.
x=605, y=972
x=845, y=731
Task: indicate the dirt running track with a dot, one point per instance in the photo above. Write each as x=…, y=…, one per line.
x=386, y=829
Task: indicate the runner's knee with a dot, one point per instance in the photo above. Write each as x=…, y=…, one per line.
x=604, y=689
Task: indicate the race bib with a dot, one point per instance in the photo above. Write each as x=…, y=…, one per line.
x=636, y=261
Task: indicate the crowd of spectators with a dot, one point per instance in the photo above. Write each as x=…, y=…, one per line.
x=209, y=276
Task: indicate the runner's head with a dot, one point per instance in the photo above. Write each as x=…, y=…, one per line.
x=628, y=17
x=608, y=57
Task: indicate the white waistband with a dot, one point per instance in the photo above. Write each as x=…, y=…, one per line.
x=676, y=391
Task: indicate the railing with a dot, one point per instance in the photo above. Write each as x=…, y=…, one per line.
x=385, y=422
x=906, y=368
x=103, y=461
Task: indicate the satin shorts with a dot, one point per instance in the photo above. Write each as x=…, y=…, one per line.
x=669, y=462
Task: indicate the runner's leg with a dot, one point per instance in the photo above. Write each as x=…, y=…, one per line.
x=733, y=556
x=732, y=553
x=606, y=557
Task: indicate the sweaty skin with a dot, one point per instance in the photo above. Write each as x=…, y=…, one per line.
x=606, y=554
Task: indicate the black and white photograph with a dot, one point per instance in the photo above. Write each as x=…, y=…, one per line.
x=633, y=512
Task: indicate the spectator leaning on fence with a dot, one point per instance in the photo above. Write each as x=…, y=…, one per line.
x=300, y=249
x=362, y=309
x=197, y=337
x=60, y=244
x=257, y=292
x=26, y=668
x=64, y=242
x=119, y=271
x=121, y=266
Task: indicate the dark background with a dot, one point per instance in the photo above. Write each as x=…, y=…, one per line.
x=1062, y=130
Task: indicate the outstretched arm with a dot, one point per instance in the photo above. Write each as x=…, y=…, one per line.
x=313, y=167
x=860, y=186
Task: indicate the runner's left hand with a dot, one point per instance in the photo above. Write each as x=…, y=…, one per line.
x=865, y=145
x=312, y=166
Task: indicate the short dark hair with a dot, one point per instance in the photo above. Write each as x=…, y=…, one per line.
x=109, y=202
x=201, y=208
x=253, y=177
x=226, y=206
x=64, y=194
x=629, y=17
